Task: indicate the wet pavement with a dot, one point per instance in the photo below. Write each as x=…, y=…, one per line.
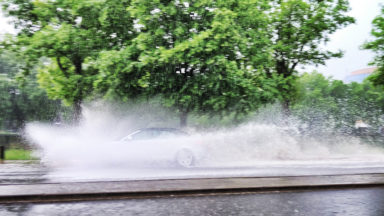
x=22, y=172
x=350, y=202
x=132, y=189
x=280, y=188
x=32, y=182
x=31, y=172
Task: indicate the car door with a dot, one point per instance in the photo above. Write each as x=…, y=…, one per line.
x=148, y=145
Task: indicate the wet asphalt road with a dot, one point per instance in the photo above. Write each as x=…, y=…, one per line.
x=22, y=172
x=359, y=201
x=29, y=172
x=350, y=202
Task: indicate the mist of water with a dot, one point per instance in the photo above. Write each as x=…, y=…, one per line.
x=91, y=144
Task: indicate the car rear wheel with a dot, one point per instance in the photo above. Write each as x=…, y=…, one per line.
x=185, y=158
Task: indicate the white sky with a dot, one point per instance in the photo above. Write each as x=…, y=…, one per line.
x=4, y=26
x=348, y=39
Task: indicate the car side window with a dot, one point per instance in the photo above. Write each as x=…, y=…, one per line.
x=142, y=135
x=166, y=134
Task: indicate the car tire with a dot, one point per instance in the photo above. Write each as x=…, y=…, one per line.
x=185, y=158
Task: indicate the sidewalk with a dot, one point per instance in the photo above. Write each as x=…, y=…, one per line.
x=82, y=191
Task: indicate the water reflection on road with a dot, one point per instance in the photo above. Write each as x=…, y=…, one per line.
x=22, y=172
x=34, y=172
x=357, y=202
x=351, y=202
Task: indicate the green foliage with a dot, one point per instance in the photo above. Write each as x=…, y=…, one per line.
x=203, y=56
x=377, y=46
x=19, y=154
x=62, y=37
x=299, y=30
x=331, y=105
x=21, y=103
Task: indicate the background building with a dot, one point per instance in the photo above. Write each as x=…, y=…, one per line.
x=359, y=75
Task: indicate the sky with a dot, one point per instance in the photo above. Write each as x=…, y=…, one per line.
x=4, y=26
x=348, y=39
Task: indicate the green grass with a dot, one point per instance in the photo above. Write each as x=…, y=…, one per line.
x=19, y=154
x=7, y=133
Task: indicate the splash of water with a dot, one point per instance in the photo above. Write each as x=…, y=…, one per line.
x=92, y=145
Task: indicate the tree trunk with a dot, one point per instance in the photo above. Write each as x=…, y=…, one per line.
x=286, y=108
x=78, y=98
x=76, y=116
x=282, y=68
x=183, y=119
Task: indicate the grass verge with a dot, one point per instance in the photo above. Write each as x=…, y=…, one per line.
x=18, y=154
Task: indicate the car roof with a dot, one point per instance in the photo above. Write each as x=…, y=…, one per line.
x=161, y=129
x=174, y=130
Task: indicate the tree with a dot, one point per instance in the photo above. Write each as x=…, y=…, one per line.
x=327, y=105
x=200, y=56
x=21, y=103
x=300, y=29
x=63, y=37
x=377, y=46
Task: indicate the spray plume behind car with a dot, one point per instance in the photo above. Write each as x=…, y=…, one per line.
x=102, y=142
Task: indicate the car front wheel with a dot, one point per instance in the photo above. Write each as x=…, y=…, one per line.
x=185, y=158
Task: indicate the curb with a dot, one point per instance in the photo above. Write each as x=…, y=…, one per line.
x=135, y=189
